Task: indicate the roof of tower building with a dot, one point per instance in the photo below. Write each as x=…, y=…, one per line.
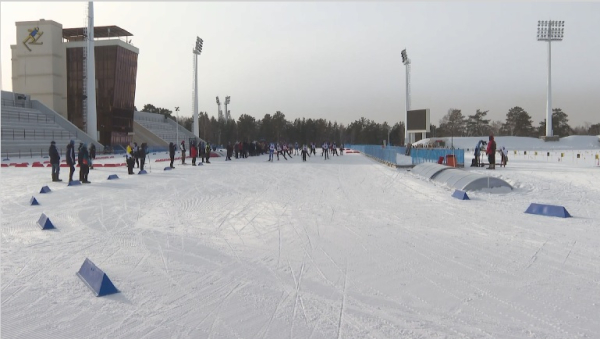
x=99, y=32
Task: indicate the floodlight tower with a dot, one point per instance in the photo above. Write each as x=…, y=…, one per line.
x=92, y=120
x=550, y=31
x=219, y=113
x=197, y=50
x=227, y=101
x=406, y=62
x=177, y=130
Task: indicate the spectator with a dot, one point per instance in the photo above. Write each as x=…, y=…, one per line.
x=182, y=148
x=71, y=158
x=83, y=159
x=54, y=161
x=172, y=153
x=142, y=155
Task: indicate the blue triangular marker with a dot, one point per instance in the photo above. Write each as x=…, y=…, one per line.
x=33, y=201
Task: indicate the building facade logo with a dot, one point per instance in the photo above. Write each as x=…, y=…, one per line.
x=32, y=38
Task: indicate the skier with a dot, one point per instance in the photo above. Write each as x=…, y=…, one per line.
x=142, y=155
x=504, y=155
x=271, y=151
x=305, y=152
x=207, y=154
x=193, y=153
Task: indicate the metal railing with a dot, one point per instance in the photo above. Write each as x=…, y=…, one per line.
x=34, y=134
x=15, y=103
x=421, y=155
x=27, y=117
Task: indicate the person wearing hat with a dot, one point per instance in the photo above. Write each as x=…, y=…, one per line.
x=84, y=164
x=54, y=161
x=71, y=158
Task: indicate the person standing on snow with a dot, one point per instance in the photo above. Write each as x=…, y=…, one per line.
x=193, y=153
x=54, y=161
x=491, y=152
x=182, y=149
x=71, y=159
x=305, y=152
x=208, y=151
x=504, y=154
x=84, y=164
x=172, y=153
x=142, y=155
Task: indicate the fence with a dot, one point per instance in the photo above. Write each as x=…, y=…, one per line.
x=386, y=155
x=421, y=155
x=16, y=103
x=418, y=155
x=33, y=134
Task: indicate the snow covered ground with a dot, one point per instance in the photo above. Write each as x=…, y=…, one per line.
x=344, y=248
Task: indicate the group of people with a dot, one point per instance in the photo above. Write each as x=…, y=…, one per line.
x=491, y=153
x=136, y=156
x=202, y=149
x=84, y=160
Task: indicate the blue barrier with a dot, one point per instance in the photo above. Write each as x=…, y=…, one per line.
x=45, y=189
x=113, y=177
x=96, y=279
x=462, y=195
x=45, y=223
x=421, y=155
x=33, y=201
x=387, y=154
x=548, y=210
x=142, y=172
x=74, y=183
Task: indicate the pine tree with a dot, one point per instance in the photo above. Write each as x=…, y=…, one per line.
x=560, y=124
x=518, y=123
x=476, y=125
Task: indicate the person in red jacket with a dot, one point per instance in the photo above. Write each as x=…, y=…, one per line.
x=491, y=152
x=193, y=153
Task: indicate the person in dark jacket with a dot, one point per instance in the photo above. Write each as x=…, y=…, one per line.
x=71, y=159
x=84, y=164
x=172, y=153
x=182, y=148
x=142, y=155
x=92, y=155
x=229, y=151
x=54, y=161
x=491, y=152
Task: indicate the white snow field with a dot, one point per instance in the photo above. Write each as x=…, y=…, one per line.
x=344, y=248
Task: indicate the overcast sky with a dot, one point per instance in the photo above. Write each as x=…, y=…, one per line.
x=341, y=60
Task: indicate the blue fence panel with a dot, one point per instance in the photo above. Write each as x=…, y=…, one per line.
x=387, y=154
x=418, y=155
x=421, y=155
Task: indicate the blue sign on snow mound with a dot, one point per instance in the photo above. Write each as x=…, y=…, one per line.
x=45, y=223
x=45, y=189
x=462, y=195
x=548, y=210
x=113, y=177
x=96, y=279
x=33, y=201
x=142, y=172
x=168, y=168
x=74, y=183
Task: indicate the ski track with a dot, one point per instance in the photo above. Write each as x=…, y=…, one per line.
x=220, y=258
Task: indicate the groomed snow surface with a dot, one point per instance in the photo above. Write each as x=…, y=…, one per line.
x=343, y=248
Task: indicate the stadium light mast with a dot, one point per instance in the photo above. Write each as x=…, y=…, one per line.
x=219, y=113
x=197, y=50
x=550, y=31
x=406, y=62
x=177, y=128
x=227, y=101
x=92, y=120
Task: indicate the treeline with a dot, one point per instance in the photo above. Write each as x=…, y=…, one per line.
x=275, y=127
